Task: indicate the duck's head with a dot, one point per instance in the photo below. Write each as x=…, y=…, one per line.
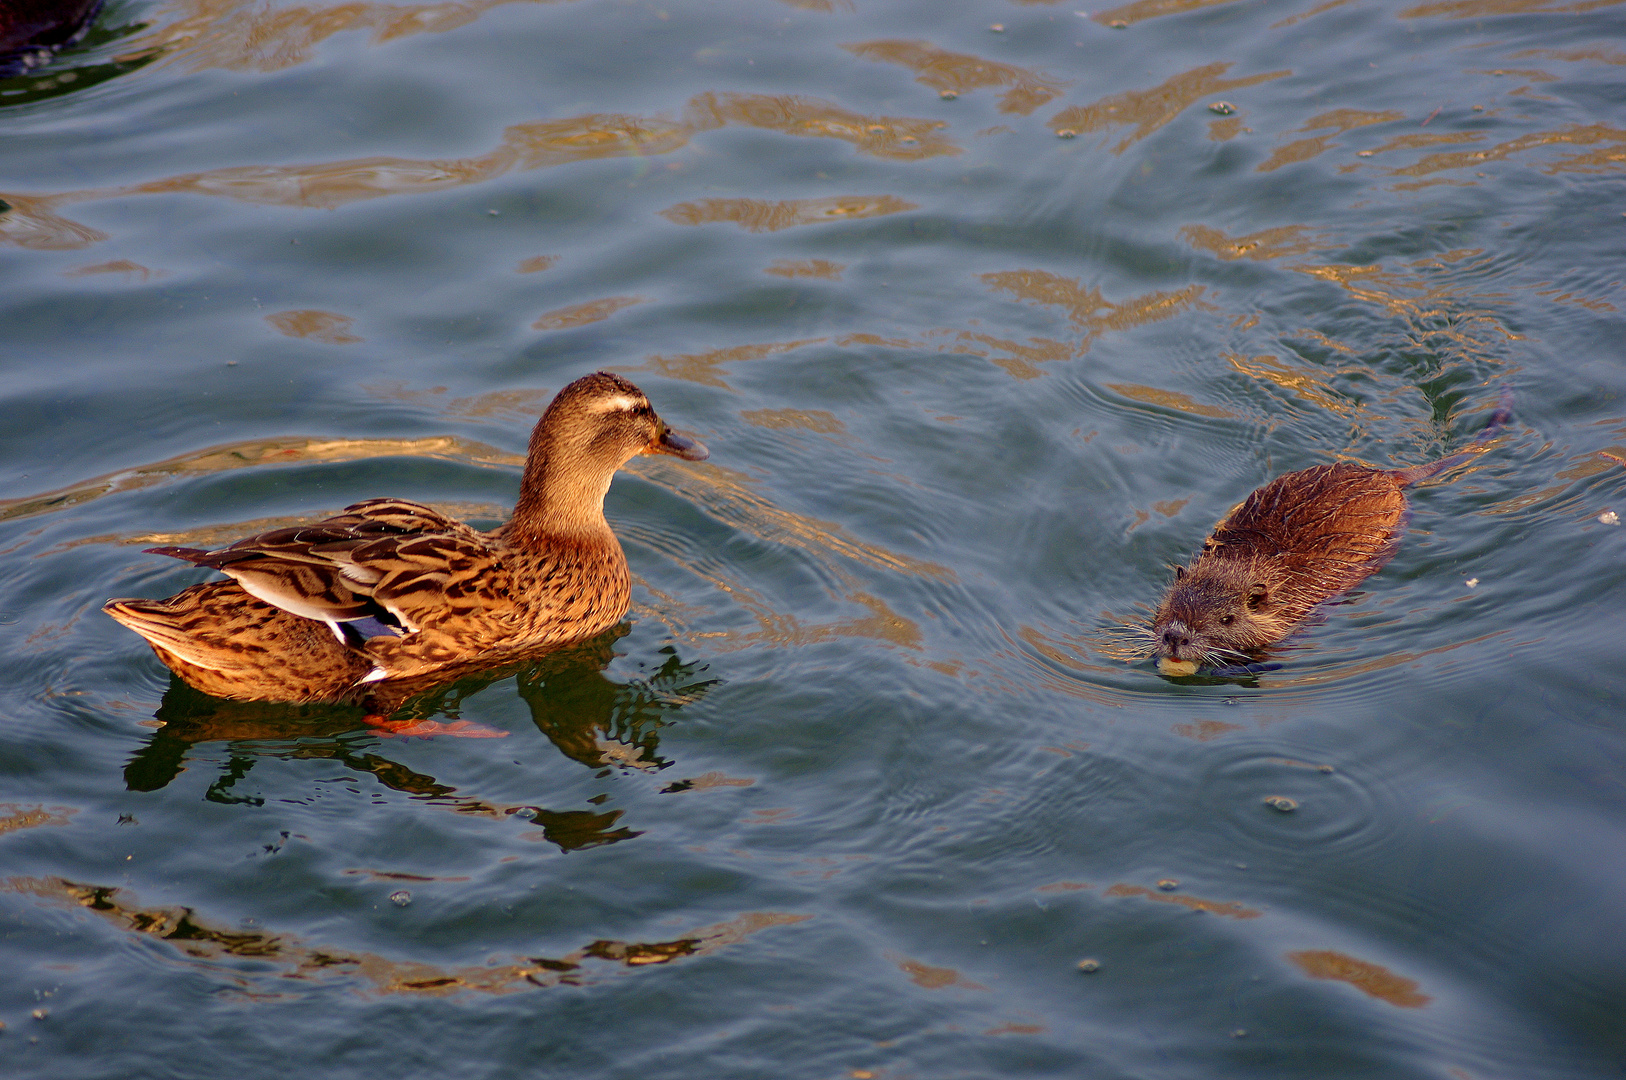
x=605, y=420
x=591, y=429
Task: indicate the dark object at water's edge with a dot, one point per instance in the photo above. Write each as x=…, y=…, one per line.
x=33, y=31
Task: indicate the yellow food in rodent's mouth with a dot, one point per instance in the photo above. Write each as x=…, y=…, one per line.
x=1176, y=667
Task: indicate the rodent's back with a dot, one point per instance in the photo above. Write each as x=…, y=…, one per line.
x=1335, y=520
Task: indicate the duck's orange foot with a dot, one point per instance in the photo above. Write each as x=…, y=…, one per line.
x=428, y=729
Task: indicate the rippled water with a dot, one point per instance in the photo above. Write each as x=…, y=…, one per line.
x=988, y=312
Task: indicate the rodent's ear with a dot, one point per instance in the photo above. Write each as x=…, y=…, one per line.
x=1179, y=573
x=1257, y=596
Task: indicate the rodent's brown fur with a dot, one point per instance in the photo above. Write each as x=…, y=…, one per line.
x=1301, y=539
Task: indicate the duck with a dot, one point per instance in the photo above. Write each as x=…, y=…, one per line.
x=393, y=594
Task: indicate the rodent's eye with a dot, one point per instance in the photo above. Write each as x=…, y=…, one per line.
x=1227, y=620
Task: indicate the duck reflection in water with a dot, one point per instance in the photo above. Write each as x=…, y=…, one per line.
x=591, y=718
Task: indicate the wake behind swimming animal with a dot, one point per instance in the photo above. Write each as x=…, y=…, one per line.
x=1298, y=541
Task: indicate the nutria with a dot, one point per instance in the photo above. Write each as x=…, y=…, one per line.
x=1301, y=539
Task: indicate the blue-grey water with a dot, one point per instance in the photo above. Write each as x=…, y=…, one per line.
x=988, y=311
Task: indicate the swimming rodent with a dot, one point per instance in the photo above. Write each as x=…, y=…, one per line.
x=1301, y=539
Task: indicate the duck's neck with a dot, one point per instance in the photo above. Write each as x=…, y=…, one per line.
x=561, y=496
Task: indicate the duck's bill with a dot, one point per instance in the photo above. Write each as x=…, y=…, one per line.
x=682, y=446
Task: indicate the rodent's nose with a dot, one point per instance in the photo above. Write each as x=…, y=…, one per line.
x=1174, y=639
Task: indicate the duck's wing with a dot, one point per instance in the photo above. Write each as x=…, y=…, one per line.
x=381, y=565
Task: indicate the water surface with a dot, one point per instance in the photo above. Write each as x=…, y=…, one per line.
x=988, y=312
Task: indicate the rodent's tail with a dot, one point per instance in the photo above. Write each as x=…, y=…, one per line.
x=1503, y=413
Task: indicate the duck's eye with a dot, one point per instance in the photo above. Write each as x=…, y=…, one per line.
x=1227, y=620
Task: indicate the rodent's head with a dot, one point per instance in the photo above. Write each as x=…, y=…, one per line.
x=1220, y=610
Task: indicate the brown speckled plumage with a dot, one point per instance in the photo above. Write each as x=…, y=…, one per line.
x=393, y=592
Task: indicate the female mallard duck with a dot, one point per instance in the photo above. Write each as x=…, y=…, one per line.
x=390, y=592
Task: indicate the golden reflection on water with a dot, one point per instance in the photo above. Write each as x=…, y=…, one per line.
x=1141, y=10
x=1085, y=308
x=567, y=318
x=1482, y=9
x=1340, y=120
x=324, y=326
x=1205, y=730
x=210, y=949
x=1533, y=74
x=815, y=420
x=774, y=629
x=324, y=186
x=815, y=268
x=14, y=816
x=1610, y=155
x=1151, y=109
x=898, y=138
x=933, y=978
x=952, y=74
x=518, y=404
x=387, y=875
x=1171, y=399
x=115, y=266
x=759, y=215
x=783, y=631
x=546, y=143
x=1265, y=244
x=1370, y=979
x=826, y=6
x=1565, y=496
x=1432, y=307
x=1317, y=10
x=1227, y=908
x=537, y=263
x=1311, y=383
x=728, y=495
x=708, y=780
x=1426, y=138
x=248, y=35
x=703, y=367
x=1602, y=55
x=30, y=221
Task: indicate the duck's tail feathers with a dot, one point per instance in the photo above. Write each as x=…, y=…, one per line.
x=157, y=622
x=199, y=557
